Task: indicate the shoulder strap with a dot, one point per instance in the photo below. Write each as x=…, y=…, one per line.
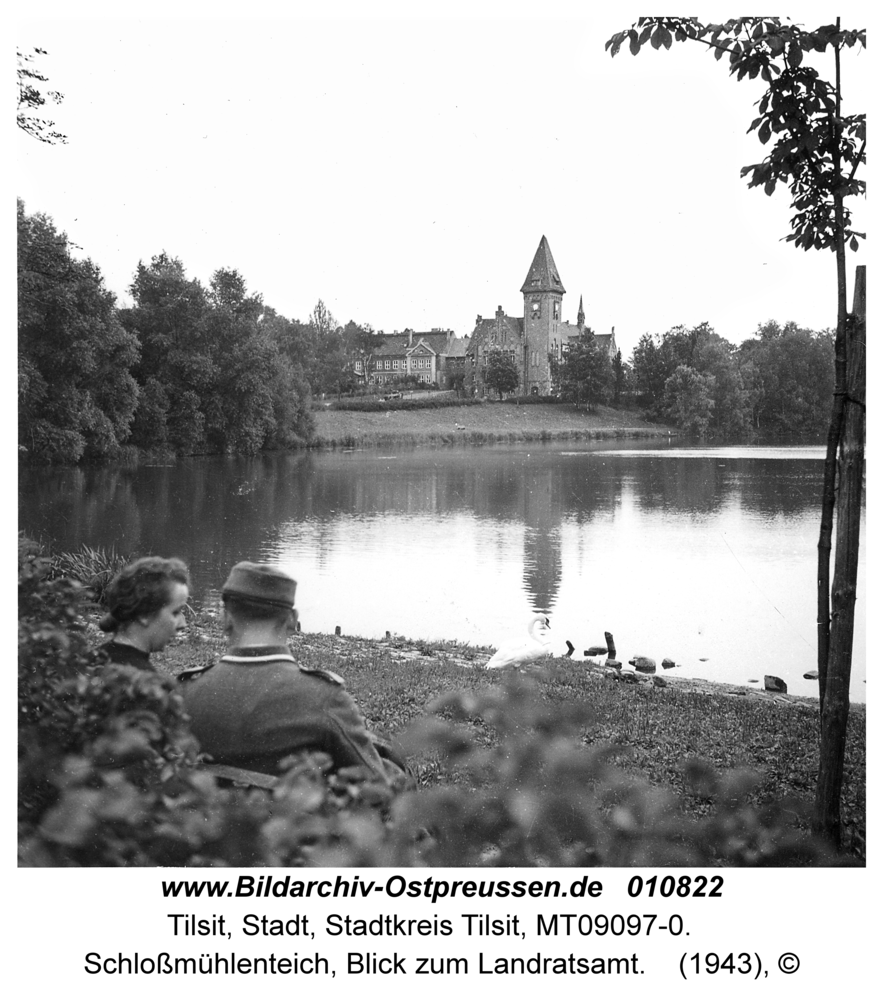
x=191, y=673
x=327, y=675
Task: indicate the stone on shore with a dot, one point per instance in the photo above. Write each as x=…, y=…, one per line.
x=775, y=684
x=667, y=664
x=595, y=651
x=616, y=664
x=811, y=675
x=644, y=664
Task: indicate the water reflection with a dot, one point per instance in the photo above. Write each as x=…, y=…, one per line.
x=683, y=552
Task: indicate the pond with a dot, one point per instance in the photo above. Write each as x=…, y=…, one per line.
x=703, y=555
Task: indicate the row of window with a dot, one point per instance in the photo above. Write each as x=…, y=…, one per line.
x=422, y=377
x=395, y=363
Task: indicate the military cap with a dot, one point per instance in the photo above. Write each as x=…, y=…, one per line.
x=260, y=582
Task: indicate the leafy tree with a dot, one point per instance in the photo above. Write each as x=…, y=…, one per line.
x=501, y=374
x=456, y=382
x=817, y=152
x=76, y=394
x=689, y=399
x=622, y=378
x=169, y=318
x=585, y=374
x=650, y=371
x=31, y=97
x=328, y=365
x=214, y=368
x=654, y=361
x=790, y=378
x=717, y=359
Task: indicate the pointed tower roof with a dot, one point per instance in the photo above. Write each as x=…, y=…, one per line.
x=581, y=315
x=543, y=274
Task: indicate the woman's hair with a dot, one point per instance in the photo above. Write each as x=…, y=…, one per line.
x=142, y=588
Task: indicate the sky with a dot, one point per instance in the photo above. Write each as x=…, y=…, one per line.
x=402, y=167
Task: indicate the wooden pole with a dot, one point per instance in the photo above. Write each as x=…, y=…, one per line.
x=835, y=706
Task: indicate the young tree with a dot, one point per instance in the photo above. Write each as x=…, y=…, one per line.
x=501, y=374
x=817, y=152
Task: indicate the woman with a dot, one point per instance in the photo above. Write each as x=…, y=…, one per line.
x=146, y=603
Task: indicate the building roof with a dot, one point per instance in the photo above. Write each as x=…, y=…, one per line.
x=457, y=347
x=396, y=344
x=605, y=340
x=484, y=328
x=543, y=274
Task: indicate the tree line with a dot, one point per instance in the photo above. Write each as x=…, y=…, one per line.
x=189, y=369
x=777, y=382
x=186, y=369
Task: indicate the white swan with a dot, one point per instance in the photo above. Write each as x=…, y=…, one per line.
x=519, y=651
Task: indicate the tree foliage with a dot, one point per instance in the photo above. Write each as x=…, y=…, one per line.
x=77, y=395
x=688, y=397
x=789, y=377
x=585, y=374
x=215, y=377
x=815, y=150
x=31, y=97
x=501, y=374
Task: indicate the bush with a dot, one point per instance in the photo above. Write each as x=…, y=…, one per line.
x=94, y=568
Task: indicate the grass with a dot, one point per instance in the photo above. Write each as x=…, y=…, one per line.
x=656, y=729
x=476, y=425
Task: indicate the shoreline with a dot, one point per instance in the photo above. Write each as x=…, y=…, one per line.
x=492, y=423
x=208, y=644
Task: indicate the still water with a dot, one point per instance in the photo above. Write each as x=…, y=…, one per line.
x=703, y=555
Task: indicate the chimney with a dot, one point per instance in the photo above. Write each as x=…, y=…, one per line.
x=499, y=311
x=410, y=335
x=478, y=319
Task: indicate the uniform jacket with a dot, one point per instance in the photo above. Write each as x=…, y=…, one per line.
x=129, y=656
x=256, y=706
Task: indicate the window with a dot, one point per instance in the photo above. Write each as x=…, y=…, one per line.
x=556, y=310
x=535, y=309
x=395, y=363
x=386, y=364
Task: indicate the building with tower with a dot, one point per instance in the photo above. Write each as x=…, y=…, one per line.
x=531, y=339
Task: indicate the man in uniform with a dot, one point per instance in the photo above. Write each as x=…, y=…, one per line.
x=257, y=705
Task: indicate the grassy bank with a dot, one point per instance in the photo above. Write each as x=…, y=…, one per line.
x=472, y=425
x=656, y=729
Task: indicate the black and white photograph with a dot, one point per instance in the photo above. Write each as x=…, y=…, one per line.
x=441, y=446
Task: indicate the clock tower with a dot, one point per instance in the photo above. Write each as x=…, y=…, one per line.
x=543, y=292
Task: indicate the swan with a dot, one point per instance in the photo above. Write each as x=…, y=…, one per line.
x=520, y=651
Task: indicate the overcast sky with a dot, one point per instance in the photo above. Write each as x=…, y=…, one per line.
x=404, y=169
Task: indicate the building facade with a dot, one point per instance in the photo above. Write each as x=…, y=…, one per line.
x=434, y=358
x=531, y=339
